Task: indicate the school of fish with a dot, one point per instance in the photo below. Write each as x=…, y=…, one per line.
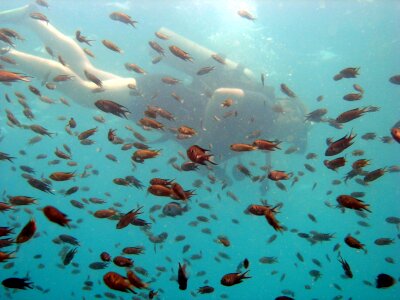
x=165, y=198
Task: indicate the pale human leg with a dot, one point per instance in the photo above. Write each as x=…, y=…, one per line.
x=60, y=44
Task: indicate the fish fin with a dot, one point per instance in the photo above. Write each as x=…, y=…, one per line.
x=210, y=161
x=131, y=290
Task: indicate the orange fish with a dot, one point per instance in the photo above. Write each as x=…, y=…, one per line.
x=257, y=210
x=270, y=216
x=375, y=174
x=226, y=103
x=348, y=201
x=104, y=213
x=7, y=76
x=117, y=282
x=238, y=147
x=5, y=256
x=246, y=15
x=350, y=72
x=279, y=175
x=354, y=243
x=127, y=218
x=178, y=52
x=159, y=190
x=161, y=35
x=170, y=80
x=266, y=145
x=27, y=232
x=198, y=155
x=224, y=240
x=156, y=47
x=186, y=130
x=122, y=17
x=135, y=68
x=335, y=163
x=395, y=132
x=233, y=278
x=39, y=16
x=218, y=58
x=178, y=193
x=61, y=176
x=160, y=181
x=141, y=154
x=352, y=114
x=347, y=73
x=151, y=123
x=135, y=280
x=111, y=135
x=56, y=216
x=338, y=146
x=110, y=45
x=353, y=96
x=360, y=163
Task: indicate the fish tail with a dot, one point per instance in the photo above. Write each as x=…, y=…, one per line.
x=131, y=290
x=243, y=275
x=210, y=161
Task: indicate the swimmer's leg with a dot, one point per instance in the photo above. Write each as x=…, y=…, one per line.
x=60, y=44
x=46, y=69
x=77, y=89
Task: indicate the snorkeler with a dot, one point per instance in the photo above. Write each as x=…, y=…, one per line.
x=213, y=81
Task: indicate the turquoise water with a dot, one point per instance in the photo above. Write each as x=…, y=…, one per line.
x=300, y=43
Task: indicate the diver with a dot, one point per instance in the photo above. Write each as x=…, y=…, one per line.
x=200, y=98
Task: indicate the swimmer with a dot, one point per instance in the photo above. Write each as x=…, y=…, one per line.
x=217, y=127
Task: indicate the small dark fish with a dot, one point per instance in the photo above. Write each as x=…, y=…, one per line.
x=287, y=91
x=40, y=185
x=69, y=256
x=98, y=265
x=384, y=241
x=205, y=70
x=393, y=220
x=71, y=190
x=17, y=283
x=205, y=290
x=312, y=218
x=68, y=239
x=345, y=266
x=39, y=16
x=81, y=38
x=182, y=277
x=300, y=257
x=384, y=281
x=112, y=107
x=246, y=263
x=395, y=79
x=91, y=77
x=272, y=238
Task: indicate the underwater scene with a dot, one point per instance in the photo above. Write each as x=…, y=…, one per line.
x=199, y=149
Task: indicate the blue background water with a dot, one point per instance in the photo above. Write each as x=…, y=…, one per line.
x=301, y=43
